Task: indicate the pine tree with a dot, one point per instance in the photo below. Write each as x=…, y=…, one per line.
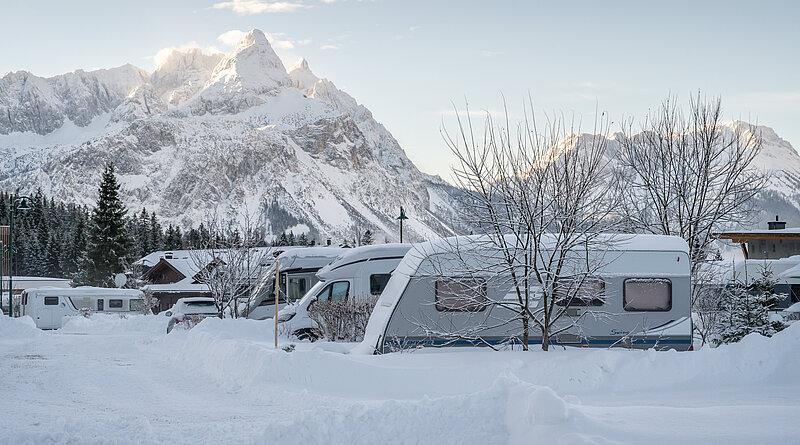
x=747, y=309
x=109, y=247
x=290, y=238
x=367, y=239
x=302, y=240
x=284, y=241
x=156, y=236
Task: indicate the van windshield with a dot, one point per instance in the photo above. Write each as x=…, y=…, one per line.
x=312, y=292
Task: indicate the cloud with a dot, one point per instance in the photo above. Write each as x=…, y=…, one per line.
x=230, y=38
x=162, y=54
x=326, y=47
x=249, y=7
x=413, y=28
x=303, y=42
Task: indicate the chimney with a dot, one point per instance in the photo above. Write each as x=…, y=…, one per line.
x=777, y=224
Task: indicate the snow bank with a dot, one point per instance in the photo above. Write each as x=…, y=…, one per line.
x=509, y=411
x=18, y=328
x=115, y=324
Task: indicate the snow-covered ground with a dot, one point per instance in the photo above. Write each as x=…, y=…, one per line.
x=106, y=380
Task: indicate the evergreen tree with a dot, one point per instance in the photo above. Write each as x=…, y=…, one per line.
x=747, y=309
x=156, y=236
x=284, y=241
x=290, y=239
x=367, y=239
x=109, y=244
x=302, y=240
x=54, y=257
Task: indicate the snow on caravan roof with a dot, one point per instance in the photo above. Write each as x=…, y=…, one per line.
x=607, y=241
x=364, y=253
x=86, y=290
x=308, y=257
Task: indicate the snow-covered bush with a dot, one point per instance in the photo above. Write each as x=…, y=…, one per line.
x=747, y=309
x=342, y=320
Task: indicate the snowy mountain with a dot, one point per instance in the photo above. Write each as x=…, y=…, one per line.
x=217, y=134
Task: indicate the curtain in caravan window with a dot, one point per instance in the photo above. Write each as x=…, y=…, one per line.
x=647, y=294
x=573, y=292
x=461, y=295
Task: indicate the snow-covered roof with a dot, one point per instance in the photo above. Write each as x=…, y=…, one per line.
x=365, y=253
x=790, y=232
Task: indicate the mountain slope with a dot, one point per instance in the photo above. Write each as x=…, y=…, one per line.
x=190, y=141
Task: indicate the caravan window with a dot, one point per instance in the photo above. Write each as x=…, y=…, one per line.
x=378, y=282
x=297, y=288
x=573, y=292
x=136, y=304
x=460, y=295
x=647, y=294
x=51, y=301
x=114, y=304
x=100, y=304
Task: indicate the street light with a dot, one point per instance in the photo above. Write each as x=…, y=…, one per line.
x=402, y=217
x=18, y=203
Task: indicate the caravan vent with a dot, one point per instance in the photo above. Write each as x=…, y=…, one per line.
x=168, y=255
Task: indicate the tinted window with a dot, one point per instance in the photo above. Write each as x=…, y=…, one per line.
x=200, y=303
x=647, y=294
x=297, y=288
x=51, y=301
x=114, y=304
x=100, y=305
x=573, y=292
x=340, y=290
x=461, y=295
x=378, y=282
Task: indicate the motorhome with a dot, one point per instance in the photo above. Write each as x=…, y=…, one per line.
x=49, y=305
x=359, y=273
x=297, y=268
x=442, y=289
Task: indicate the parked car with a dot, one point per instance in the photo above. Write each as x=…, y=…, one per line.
x=190, y=310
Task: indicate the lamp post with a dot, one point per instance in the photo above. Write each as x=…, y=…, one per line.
x=18, y=203
x=401, y=218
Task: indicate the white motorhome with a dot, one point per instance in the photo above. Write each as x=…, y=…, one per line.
x=48, y=305
x=359, y=273
x=641, y=286
x=297, y=267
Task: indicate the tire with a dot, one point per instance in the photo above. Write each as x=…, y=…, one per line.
x=306, y=334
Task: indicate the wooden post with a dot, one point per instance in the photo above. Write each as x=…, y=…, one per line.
x=277, y=291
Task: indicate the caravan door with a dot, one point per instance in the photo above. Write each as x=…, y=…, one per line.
x=49, y=314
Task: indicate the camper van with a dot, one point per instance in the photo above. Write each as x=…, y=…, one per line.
x=640, y=290
x=362, y=272
x=297, y=268
x=48, y=305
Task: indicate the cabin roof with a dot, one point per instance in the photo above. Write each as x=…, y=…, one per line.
x=742, y=236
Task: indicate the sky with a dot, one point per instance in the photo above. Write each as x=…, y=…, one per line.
x=410, y=62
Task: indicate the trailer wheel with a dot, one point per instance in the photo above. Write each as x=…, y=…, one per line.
x=306, y=334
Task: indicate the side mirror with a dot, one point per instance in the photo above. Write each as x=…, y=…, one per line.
x=168, y=313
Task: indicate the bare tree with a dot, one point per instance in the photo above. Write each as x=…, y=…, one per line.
x=688, y=174
x=229, y=263
x=539, y=195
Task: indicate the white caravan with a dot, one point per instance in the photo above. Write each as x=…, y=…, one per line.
x=640, y=289
x=48, y=305
x=359, y=273
x=298, y=267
